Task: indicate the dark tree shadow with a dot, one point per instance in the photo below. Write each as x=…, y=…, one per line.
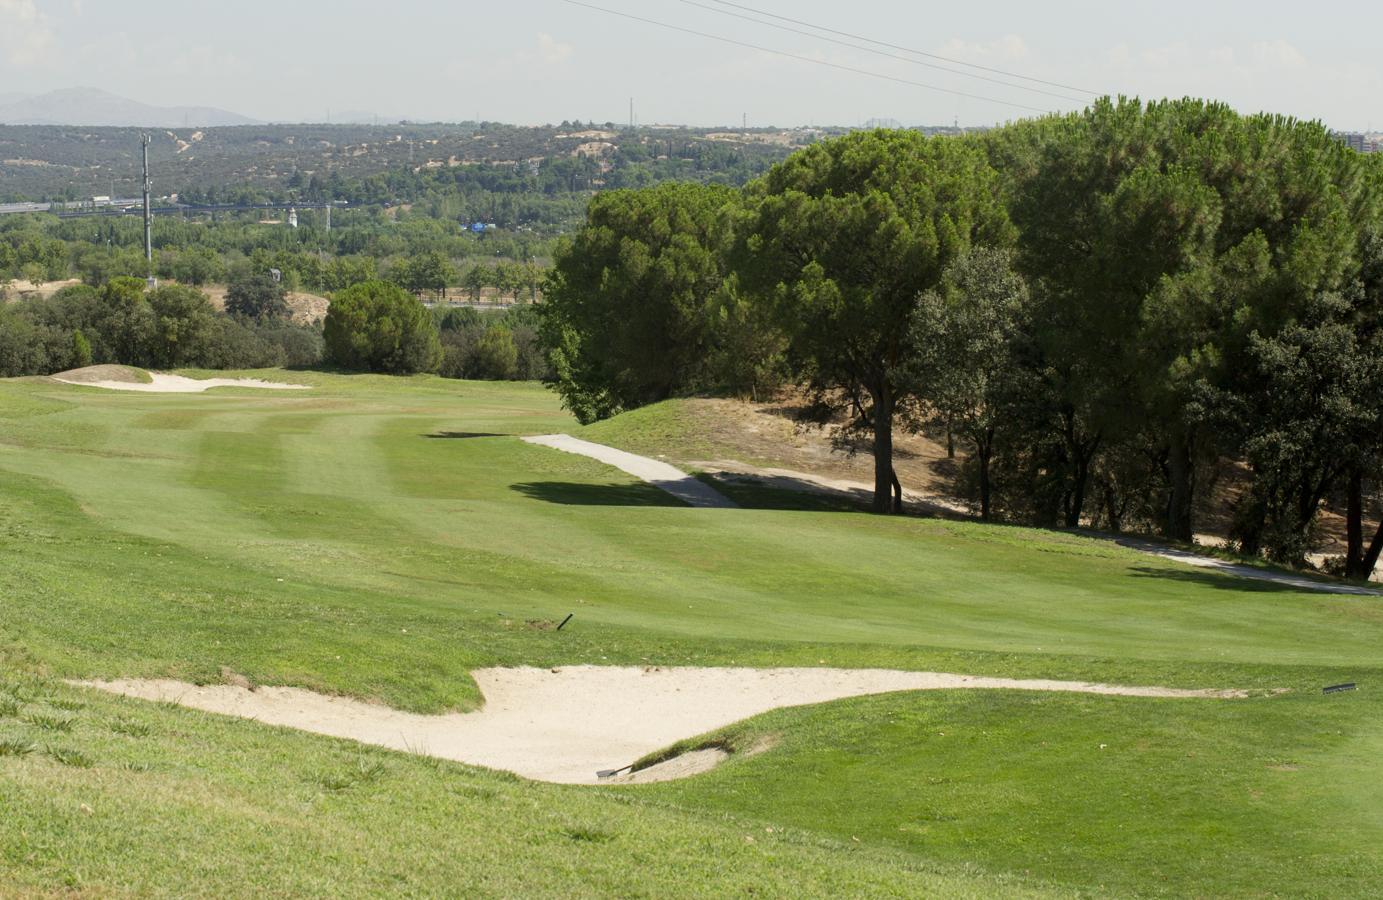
x=576, y=494
x=1226, y=581
x=772, y=491
x=462, y=435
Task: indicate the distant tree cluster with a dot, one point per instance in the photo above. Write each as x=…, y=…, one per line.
x=493, y=346
x=172, y=326
x=1107, y=309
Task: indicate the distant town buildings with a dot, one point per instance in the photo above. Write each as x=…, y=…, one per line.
x=1363, y=143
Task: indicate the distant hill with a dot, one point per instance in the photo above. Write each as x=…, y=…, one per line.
x=92, y=107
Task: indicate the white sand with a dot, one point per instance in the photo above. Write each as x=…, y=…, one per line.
x=161, y=383
x=565, y=725
x=659, y=474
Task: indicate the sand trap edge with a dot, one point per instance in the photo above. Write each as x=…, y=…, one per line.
x=532, y=726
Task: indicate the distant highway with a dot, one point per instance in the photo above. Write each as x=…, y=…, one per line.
x=126, y=207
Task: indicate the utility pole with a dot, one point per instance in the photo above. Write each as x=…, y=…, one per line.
x=148, y=213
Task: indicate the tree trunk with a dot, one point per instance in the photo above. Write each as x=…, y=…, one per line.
x=1354, y=525
x=1079, y=453
x=950, y=443
x=1371, y=555
x=1080, y=482
x=897, y=491
x=1360, y=561
x=883, y=448
x=1113, y=513
x=1181, y=471
x=984, y=452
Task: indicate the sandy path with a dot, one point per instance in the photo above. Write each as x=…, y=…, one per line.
x=659, y=474
x=565, y=725
x=160, y=383
x=1300, y=582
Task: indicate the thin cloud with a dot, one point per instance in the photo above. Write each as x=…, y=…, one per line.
x=26, y=37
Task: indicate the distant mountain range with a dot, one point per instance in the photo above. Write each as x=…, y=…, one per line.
x=97, y=108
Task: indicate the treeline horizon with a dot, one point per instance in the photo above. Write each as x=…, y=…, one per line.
x=1104, y=308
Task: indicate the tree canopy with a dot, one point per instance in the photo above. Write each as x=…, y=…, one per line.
x=841, y=241
x=376, y=326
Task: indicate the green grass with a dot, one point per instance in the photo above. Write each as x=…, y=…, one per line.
x=382, y=537
x=201, y=805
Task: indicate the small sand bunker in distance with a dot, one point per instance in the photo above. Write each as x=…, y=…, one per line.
x=123, y=378
x=565, y=725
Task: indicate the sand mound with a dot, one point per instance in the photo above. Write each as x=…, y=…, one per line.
x=565, y=725
x=104, y=375
x=123, y=378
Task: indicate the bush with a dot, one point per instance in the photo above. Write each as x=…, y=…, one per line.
x=81, y=350
x=238, y=345
x=376, y=326
x=496, y=358
x=302, y=345
x=184, y=329
x=256, y=295
x=29, y=348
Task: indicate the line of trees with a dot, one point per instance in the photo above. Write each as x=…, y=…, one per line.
x=172, y=326
x=372, y=325
x=1106, y=309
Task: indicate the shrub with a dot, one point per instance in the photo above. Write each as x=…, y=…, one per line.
x=379, y=327
x=496, y=357
x=184, y=326
x=256, y=295
x=81, y=350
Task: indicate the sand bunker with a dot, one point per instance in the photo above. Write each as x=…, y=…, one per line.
x=659, y=474
x=122, y=378
x=565, y=725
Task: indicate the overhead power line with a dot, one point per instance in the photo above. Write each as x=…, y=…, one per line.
x=884, y=53
x=868, y=40
x=806, y=59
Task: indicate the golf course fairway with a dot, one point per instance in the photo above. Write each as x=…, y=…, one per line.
x=381, y=538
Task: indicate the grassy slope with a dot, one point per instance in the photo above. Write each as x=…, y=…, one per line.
x=330, y=540
x=113, y=798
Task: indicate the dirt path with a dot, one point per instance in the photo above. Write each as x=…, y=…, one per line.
x=1299, y=582
x=564, y=725
x=659, y=474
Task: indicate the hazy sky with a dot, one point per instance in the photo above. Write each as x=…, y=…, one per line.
x=532, y=61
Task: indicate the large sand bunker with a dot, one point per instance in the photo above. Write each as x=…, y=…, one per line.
x=121, y=378
x=565, y=725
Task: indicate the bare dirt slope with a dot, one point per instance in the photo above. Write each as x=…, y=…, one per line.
x=304, y=308
x=748, y=436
